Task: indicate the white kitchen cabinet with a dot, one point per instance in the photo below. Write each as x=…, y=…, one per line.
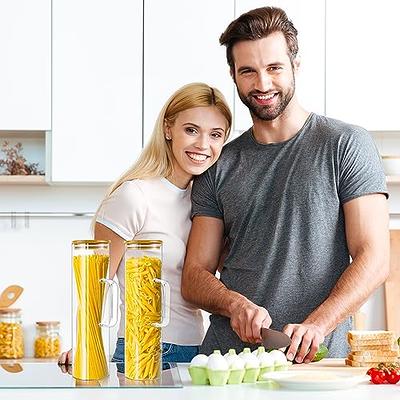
x=362, y=74
x=25, y=66
x=309, y=20
x=97, y=89
x=181, y=45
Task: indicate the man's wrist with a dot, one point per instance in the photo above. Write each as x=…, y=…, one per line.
x=235, y=301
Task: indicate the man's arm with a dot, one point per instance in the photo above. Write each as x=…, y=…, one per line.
x=202, y=288
x=367, y=233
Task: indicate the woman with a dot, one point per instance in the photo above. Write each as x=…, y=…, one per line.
x=152, y=201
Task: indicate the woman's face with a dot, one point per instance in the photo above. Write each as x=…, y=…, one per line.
x=197, y=137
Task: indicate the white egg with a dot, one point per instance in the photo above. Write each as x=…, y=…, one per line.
x=199, y=361
x=217, y=362
x=278, y=357
x=251, y=361
x=265, y=359
x=237, y=363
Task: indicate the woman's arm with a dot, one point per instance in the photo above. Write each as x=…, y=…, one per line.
x=117, y=246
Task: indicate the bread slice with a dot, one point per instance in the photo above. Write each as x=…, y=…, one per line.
x=373, y=353
x=372, y=342
x=371, y=335
x=375, y=347
x=377, y=358
x=353, y=363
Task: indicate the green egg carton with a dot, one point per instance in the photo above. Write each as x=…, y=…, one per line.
x=263, y=370
x=251, y=375
x=236, y=376
x=199, y=375
x=282, y=367
x=218, y=378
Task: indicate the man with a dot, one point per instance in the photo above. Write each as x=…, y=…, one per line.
x=295, y=196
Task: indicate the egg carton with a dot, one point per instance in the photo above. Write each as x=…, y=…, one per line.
x=232, y=368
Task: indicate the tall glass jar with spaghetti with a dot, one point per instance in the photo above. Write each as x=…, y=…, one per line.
x=90, y=339
x=11, y=333
x=146, y=309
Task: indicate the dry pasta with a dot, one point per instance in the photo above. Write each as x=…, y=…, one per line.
x=142, y=310
x=11, y=340
x=47, y=347
x=89, y=360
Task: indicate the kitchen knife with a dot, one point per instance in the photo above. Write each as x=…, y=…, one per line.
x=274, y=339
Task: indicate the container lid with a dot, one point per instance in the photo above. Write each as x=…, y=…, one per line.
x=10, y=311
x=48, y=323
x=91, y=244
x=145, y=243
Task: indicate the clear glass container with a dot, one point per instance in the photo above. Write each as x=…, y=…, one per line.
x=146, y=309
x=90, y=334
x=47, y=339
x=11, y=333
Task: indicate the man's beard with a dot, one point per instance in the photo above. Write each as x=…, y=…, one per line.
x=267, y=113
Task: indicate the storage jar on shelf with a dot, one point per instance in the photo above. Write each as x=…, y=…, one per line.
x=11, y=333
x=47, y=340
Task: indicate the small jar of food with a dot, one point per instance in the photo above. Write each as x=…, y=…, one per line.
x=11, y=333
x=47, y=340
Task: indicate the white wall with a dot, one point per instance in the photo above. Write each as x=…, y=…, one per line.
x=36, y=252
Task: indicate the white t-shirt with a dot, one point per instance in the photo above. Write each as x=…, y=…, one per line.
x=156, y=209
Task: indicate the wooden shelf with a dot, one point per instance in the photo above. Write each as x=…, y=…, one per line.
x=23, y=180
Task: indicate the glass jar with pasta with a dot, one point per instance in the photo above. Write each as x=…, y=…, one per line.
x=47, y=340
x=90, y=333
x=11, y=333
x=146, y=309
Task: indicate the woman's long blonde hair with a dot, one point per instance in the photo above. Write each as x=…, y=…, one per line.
x=156, y=159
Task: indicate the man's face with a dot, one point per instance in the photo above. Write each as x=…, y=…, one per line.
x=264, y=75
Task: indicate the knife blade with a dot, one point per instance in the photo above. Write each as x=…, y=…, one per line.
x=273, y=339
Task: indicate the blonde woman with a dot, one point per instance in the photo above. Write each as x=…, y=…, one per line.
x=152, y=201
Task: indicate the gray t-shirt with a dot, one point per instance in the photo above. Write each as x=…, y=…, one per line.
x=281, y=204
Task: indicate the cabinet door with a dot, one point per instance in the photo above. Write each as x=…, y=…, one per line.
x=25, y=66
x=97, y=89
x=309, y=19
x=181, y=45
x=362, y=74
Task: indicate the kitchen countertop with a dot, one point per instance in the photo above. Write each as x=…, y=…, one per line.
x=252, y=391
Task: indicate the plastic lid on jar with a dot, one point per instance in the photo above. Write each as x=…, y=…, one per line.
x=48, y=323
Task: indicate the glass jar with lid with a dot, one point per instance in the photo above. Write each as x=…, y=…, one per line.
x=92, y=318
x=47, y=340
x=146, y=309
x=11, y=333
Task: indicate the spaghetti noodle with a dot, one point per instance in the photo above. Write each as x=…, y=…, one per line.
x=142, y=311
x=89, y=359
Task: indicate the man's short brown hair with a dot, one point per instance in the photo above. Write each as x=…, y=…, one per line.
x=258, y=24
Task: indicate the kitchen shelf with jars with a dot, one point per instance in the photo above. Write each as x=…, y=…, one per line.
x=388, y=143
x=23, y=157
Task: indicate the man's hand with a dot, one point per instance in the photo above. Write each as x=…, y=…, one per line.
x=247, y=319
x=306, y=339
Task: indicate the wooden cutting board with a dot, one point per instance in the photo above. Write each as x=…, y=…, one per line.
x=392, y=285
x=330, y=364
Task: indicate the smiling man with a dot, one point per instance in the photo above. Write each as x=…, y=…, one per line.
x=294, y=197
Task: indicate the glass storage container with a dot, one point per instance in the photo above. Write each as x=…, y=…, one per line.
x=146, y=309
x=47, y=340
x=11, y=333
x=90, y=334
